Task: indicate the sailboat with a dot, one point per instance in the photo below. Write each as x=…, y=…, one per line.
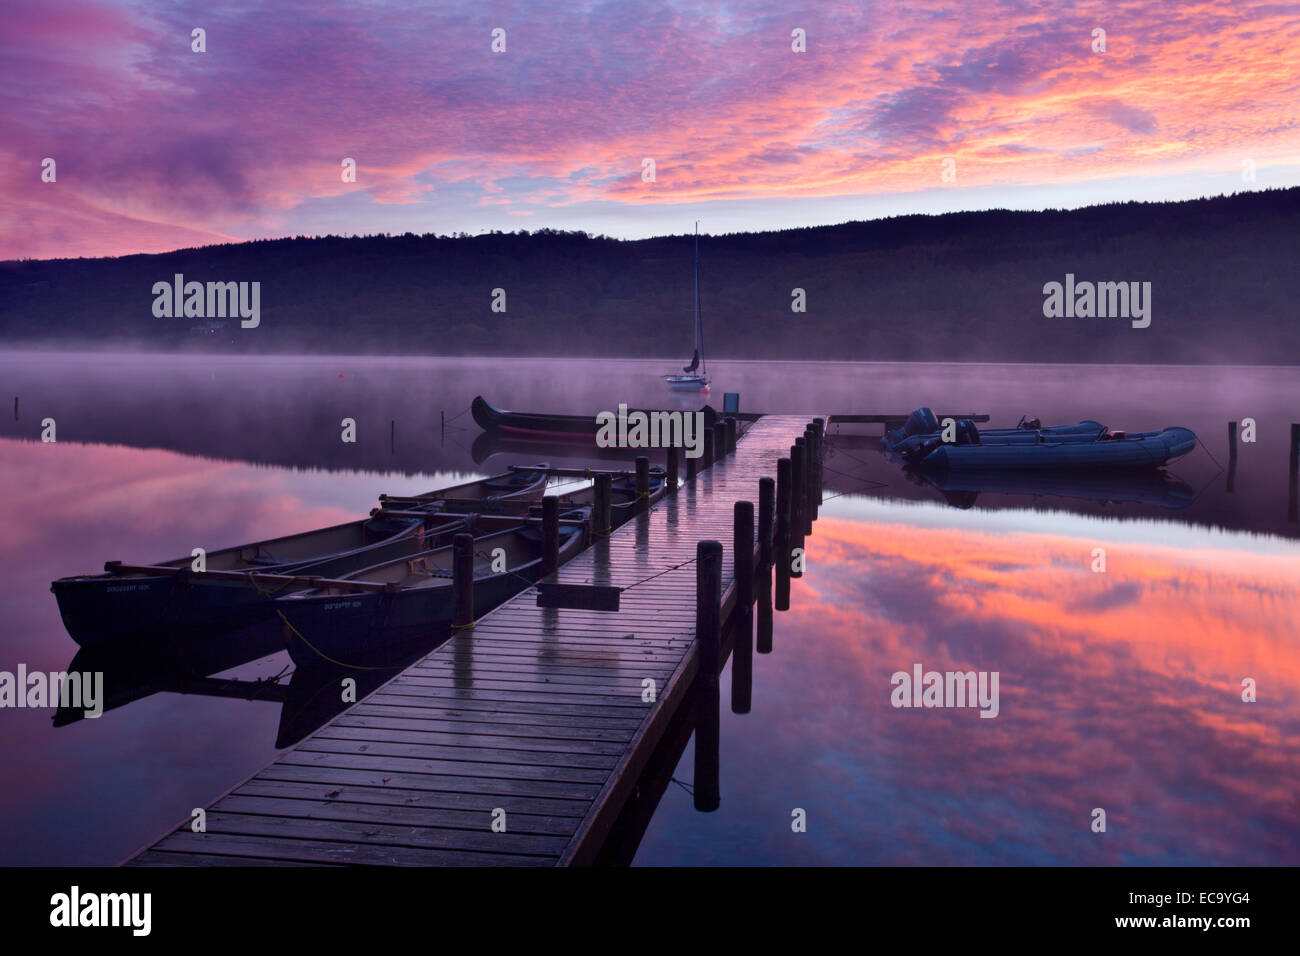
x=696, y=374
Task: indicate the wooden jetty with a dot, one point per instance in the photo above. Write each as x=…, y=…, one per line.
x=519, y=741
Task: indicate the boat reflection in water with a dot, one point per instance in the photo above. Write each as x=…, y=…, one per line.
x=1147, y=487
x=308, y=696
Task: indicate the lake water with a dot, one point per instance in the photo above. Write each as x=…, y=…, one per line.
x=1118, y=690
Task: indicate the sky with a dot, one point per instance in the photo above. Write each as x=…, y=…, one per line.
x=892, y=108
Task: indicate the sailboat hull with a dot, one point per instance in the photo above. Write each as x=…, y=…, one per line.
x=686, y=381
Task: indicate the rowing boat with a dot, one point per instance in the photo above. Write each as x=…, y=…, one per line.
x=537, y=426
x=415, y=599
x=235, y=587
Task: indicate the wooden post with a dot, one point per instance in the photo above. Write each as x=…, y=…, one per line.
x=763, y=610
x=692, y=466
x=706, y=460
x=462, y=580
x=642, y=484
x=708, y=633
x=731, y=436
x=670, y=480
x=742, y=661
x=15, y=408
x=820, y=425
x=550, y=534
x=781, y=533
x=797, y=497
x=392, y=436
x=1232, y=441
x=600, y=513
x=708, y=606
x=766, y=502
x=720, y=440
x=807, y=440
x=1295, y=448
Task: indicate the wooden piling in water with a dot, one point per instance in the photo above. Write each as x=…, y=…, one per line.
x=550, y=534
x=692, y=466
x=731, y=436
x=1295, y=448
x=819, y=425
x=603, y=507
x=670, y=479
x=15, y=408
x=719, y=440
x=766, y=502
x=798, y=463
x=706, y=459
x=807, y=441
x=1232, y=441
x=642, y=483
x=781, y=533
x=708, y=632
x=462, y=580
x=742, y=661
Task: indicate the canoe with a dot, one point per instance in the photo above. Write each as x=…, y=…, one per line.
x=139, y=603
x=541, y=426
x=1030, y=446
x=334, y=624
x=622, y=495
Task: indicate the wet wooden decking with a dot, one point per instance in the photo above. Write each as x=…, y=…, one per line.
x=535, y=713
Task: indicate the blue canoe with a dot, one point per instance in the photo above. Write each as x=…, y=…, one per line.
x=1086, y=445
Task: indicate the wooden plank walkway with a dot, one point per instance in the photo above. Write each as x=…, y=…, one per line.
x=535, y=712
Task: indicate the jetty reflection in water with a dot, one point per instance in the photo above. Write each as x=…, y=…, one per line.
x=1119, y=690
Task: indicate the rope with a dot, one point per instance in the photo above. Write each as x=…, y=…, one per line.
x=316, y=650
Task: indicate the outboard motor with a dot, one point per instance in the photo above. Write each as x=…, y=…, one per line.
x=967, y=433
x=920, y=422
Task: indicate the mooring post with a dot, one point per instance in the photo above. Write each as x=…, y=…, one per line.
x=462, y=580
x=642, y=483
x=720, y=440
x=731, y=436
x=1232, y=441
x=798, y=464
x=600, y=514
x=550, y=534
x=392, y=436
x=806, y=502
x=781, y=533
x=15, y=408
x=706, y=460
x=820, y=425
x=708, y=632
x=742, y=661
x=1295, y=448
x=766, y=501
x=670, y=479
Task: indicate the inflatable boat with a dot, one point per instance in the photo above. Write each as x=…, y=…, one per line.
x=923, y=443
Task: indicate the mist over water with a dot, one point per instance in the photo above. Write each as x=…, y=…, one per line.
x=1119, y=689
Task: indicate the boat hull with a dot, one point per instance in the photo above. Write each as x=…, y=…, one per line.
x=349, y=628
x=1147, y=450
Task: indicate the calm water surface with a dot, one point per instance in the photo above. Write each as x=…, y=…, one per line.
x=1118, y=690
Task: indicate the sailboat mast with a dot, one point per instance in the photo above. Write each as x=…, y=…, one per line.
x=699, y=322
